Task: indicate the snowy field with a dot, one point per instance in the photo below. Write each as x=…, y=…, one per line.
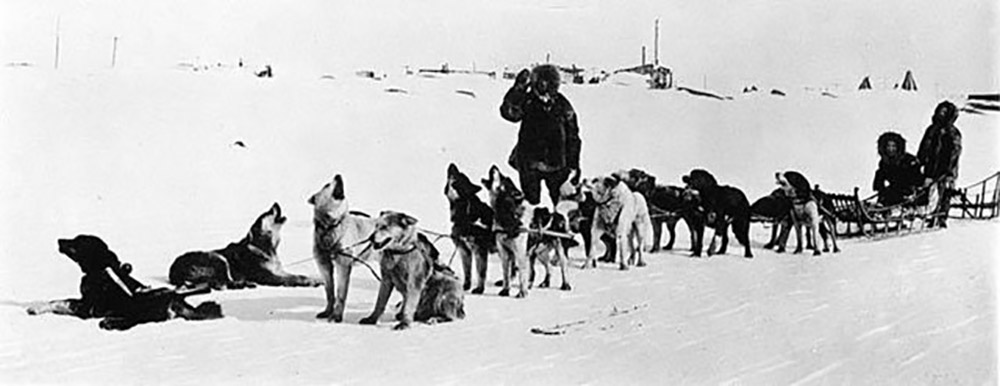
x=144, y=155
x=146, y=161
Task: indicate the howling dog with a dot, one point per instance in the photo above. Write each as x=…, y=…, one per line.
x=337, y=236
x=511, y=215
x=251, y=261
x=472, y=227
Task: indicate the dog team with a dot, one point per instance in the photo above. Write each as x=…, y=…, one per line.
x=624, y=212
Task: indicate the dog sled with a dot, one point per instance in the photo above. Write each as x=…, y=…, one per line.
x=979, y=201
x=856, y=216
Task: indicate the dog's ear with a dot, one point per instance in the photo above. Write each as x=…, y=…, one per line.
x=610, y=182
x=452, y=169
x=407, y=220
x=311, y=200
x=338, y=187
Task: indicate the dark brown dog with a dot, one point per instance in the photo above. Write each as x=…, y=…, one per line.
x=409, y=265
x=253, y=260
x=510, y=217
x=775, y=208
x=723, y=205
x=108, y=291
x=471, y=230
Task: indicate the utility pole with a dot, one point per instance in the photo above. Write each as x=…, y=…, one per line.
x=656, y=42
x=56, y=65
x=114, y=52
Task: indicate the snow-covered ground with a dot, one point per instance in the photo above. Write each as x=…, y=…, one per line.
x=145, y=160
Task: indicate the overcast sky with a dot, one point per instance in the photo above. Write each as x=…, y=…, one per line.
x=949, y=45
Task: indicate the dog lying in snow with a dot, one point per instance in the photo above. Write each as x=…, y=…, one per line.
x=337, y=237
x=805, y=213
x=723, y=205
x=472, y=227
x=623, y=214
x=409, y=264
x=108, y=291
x=251, y=261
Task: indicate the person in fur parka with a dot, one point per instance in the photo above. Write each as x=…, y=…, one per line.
x=939, y=151
x=548, y=143
x=898, y=175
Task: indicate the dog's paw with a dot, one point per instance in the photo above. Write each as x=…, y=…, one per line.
x=504, y=292
x=641, y=263
x=326, y=314
x=498, y=283
x=368, y=320
x=544, y=283
x=623, y=267
x=566, y=287
x=466, y=286
x=401, y=326
x=32, y=311
x=816, y=252
x=797, y=250
x=521, y=294
x=478, y=290
x=780, y=250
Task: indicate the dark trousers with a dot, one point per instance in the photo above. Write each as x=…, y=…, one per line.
x=531, y=184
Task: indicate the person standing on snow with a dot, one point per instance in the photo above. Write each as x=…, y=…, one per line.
x=939, y=151
x=898, y=175
x=548, y=143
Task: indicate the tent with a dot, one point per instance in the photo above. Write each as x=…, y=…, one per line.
x=908, y=83
x=865, y=84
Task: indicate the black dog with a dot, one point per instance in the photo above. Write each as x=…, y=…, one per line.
x=108, y=291
x=542, y=246
x=723, y=205
x=775, y=208
x=471, y=229
x=244, y=264
x=666, y=206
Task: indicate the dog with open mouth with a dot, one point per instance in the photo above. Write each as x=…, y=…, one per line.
x=409, y=264
x=246, y=263
x=472, y=227
x=338, y=236
x=511, y=217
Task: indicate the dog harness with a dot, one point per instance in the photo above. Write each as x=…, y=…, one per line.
x=118, y=281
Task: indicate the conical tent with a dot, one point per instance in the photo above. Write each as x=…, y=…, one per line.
x=865, y=84
x=908, y=83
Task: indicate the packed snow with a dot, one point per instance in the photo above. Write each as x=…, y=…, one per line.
x=158, y=159
x=147, y=161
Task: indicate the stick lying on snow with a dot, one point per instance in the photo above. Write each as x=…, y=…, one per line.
x=562, y=328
